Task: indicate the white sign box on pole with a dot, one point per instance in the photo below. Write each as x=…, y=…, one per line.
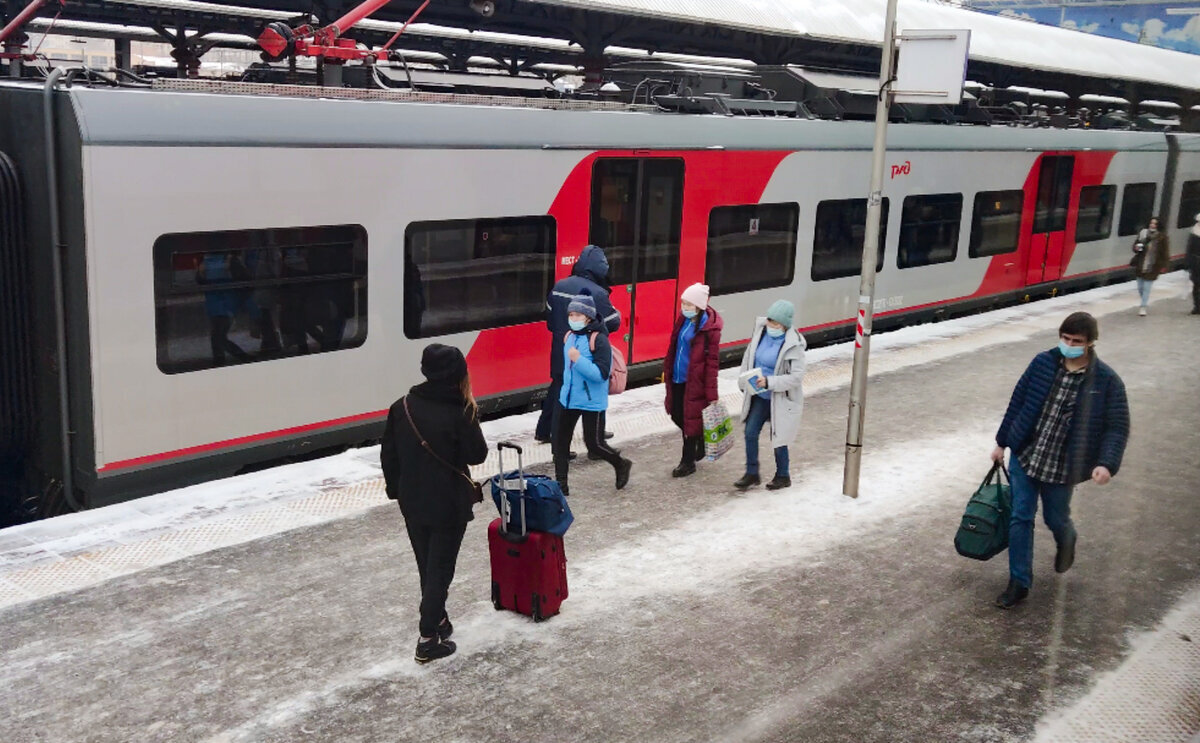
x=933, y=66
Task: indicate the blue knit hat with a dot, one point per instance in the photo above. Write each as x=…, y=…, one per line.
x=782, y=312
x=584, y=305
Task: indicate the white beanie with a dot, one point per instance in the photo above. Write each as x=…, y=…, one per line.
x=697, y=294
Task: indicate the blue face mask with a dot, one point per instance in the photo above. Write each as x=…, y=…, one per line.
x=689, y=314
x=775, y=332
x=1070, y=352
x=577, y=324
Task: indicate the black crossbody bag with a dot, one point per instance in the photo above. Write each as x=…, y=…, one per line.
x=476, y=488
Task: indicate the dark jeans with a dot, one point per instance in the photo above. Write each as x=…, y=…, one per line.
x=1056, y=511
x=545, y=424
x=1194, y=271
x=760, y=413
x=436, y=551
x=593, y=438
x=693, y=446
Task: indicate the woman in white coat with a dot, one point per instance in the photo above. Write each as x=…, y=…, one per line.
x=775, y=394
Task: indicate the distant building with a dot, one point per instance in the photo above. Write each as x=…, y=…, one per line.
x=1171, y=25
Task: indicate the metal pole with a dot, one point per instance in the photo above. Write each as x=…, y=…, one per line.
x=866, y=290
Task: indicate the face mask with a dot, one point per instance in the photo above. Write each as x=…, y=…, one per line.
x=577, y=324
x=689, y=314
x=1070, y=352
x=775, y=332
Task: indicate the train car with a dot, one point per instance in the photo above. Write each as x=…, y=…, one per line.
x=250, y=272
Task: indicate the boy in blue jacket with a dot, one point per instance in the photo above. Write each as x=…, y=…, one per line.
x=1067, y=422
x=584, y=393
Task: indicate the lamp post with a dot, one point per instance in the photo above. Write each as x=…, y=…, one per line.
x=866, y=291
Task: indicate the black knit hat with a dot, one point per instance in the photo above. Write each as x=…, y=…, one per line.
x=440, y=363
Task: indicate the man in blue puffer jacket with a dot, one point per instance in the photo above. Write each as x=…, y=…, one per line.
x=584, y=393
x=589, y=276
x=1067, y=422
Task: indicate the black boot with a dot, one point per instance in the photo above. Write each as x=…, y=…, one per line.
x=1013, y=595
x=445, y=629
x=1065, y=557
x=747, y=481
x=433, y=648
x=698, y=454
x=684, y=468
x=623, y=468
x=779, y=481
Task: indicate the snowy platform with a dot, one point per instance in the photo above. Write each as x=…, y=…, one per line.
x=281, y=606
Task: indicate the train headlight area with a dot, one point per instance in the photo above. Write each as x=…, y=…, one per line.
x=282, y=605
x=296, y=245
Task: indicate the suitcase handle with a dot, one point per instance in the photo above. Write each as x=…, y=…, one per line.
x=505, y=507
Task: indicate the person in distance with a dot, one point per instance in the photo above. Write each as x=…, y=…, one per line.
x=775, y=394
x=690, y=371
x=589, y=276
x=1151, y=257
x=432, y=436
x=1193, y=264
x=1067, y=422
x=587, y=361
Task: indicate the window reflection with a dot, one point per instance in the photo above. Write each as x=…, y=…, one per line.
x=751, y=247
x=240, y=296
x=470, y=274
x=929, y=227
x=996, y=222
x=838, y=237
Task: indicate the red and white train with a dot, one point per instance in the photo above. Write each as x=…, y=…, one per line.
x=248, y=277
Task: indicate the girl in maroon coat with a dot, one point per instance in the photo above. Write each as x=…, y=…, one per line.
x=690, y=371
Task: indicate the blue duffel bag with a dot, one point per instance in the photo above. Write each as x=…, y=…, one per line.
x=546, y=507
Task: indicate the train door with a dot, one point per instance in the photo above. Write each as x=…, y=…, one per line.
x=1048, y=239
x=637, y=217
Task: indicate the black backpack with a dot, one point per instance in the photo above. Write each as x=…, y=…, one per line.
x=983, y=533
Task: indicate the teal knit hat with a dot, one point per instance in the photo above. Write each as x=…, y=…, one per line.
x=782, y=312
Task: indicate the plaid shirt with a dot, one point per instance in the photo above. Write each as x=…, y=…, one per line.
x=1045, y=458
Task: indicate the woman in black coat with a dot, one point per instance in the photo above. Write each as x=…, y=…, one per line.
x=432, y=484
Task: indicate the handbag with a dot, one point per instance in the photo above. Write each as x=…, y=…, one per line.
x=476, y=488
x=983, y=532
x=718, y=430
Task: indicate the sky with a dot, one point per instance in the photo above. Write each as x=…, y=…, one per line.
x=1149, y=24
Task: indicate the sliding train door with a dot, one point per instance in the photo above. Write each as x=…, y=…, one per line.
x=637, y=217
x=1049, y=230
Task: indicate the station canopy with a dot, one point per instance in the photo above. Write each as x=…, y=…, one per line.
x=844, y=35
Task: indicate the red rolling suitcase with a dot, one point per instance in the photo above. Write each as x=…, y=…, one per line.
x=529, y=570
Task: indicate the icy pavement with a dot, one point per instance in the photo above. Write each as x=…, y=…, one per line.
x=696, y=613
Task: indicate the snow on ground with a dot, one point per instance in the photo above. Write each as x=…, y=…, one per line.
x=634, y=414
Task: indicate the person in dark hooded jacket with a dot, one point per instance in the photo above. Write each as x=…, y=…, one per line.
x=1193, y=264
x=589, y=276
x=435, y=493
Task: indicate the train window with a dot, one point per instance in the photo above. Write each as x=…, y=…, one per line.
x=1096, y=207
x=1189, y=204
x=1053, y=194
x=471, y=274
x=838, y=237
x=929, y=227
x=751, y=247
x=637, y=216
x=1137, y=207
x=996, y=223
x=239, y=296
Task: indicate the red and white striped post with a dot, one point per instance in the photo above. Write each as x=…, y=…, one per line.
x=866, y=291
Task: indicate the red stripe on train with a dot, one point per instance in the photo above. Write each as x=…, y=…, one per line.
x=229, y=443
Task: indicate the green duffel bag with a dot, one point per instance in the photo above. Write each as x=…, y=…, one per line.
x=983, y=533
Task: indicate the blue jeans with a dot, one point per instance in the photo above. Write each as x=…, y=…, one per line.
x=1144, y=286
x=1056, y=511
x=760, y=413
